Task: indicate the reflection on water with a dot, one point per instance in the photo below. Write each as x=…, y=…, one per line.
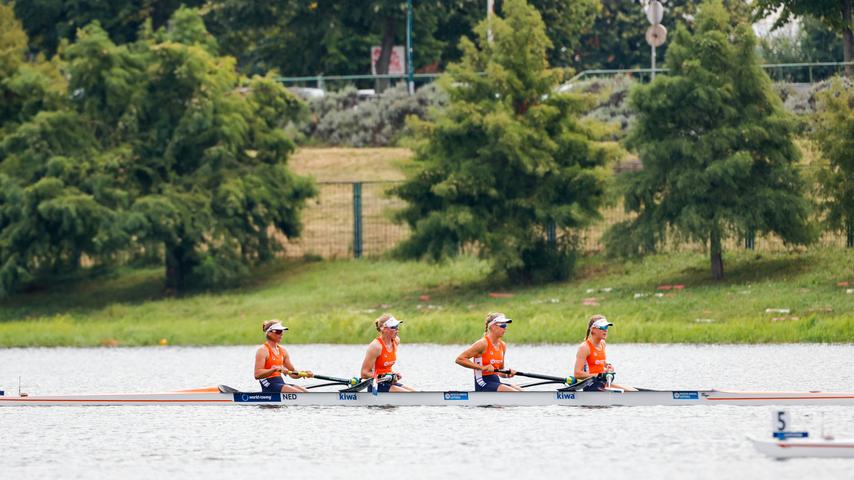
x=419, y=442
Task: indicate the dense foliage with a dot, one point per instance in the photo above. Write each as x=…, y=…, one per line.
x=834, y=135
x=716, y=146
x=507, y=160
x=155, y=145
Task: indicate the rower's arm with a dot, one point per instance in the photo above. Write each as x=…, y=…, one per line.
x=475, y=350
x=580, y=361
x=370, y=359
x=260, y=371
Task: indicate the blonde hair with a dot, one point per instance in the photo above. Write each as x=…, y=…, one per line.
x=590, y=322
x=379, y=322
x=490, y=317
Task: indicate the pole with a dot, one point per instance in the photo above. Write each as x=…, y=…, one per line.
x=489, y=8
x=653, y=63
x=409, y=68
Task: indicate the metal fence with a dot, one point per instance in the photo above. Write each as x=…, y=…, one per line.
x=353, y=219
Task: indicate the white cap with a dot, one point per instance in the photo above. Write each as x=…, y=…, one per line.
x=392, y=322
x=275, y=326
x=498, y=319
x=602, y=323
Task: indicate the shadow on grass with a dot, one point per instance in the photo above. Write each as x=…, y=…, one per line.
x=87, y=291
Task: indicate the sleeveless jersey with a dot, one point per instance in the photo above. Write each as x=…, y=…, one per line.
x=493, y=355
x=596, y=359
x=386, y=359
x=274, y=360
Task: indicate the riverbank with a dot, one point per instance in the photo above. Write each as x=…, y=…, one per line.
x=770, y=298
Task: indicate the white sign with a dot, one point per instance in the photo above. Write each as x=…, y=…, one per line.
x=396, y=64
x=654, y=12
x=656, y=35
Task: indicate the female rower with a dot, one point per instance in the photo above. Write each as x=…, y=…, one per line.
x=381, y=356
x=271, y=360
x=590, y=360
x=486, y=355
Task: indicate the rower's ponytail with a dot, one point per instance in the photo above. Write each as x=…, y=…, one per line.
x=266, y=325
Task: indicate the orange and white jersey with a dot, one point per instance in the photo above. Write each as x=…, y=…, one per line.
x=387, y=357
x=274, y=359
x=596, y=360
x=493, y=355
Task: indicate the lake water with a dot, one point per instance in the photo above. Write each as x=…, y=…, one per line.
x=416, y=442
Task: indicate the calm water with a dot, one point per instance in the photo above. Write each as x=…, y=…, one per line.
x=418, y=442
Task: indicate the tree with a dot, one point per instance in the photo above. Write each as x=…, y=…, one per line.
x=48, y=22
x=716, y=146
x=617, y=37
x=835, y=13
x=506, y=160
x=161, y=146
x=834, y=135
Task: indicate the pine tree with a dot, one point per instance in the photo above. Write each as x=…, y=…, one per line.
x=507, y=160
x=716, y=146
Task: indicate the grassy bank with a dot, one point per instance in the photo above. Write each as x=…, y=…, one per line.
x=336, y=301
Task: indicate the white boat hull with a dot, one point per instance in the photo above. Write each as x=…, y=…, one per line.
x=820, y=448
x=449, y=398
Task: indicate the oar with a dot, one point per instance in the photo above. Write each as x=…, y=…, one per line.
x=344, y=381
x=567, y=380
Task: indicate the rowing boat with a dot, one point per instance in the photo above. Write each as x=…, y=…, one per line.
x=807, y=447
x=213, y=396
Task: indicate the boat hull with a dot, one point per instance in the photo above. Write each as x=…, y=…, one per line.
x=819, y=448
x=447, y=398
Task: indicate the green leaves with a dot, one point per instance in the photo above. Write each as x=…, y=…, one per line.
x=507, y=161
x=161, y=147
x=716, y=145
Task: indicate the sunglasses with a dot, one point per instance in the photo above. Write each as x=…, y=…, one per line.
x=501, y=325
x=393, y=328
x=277, y=332
x=604, y=329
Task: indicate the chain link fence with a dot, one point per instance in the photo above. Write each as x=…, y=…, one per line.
x=354, y=219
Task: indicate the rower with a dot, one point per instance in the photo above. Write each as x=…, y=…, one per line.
x=272, y=360
x=382, y=355
x=590, y=360
x=486, y=355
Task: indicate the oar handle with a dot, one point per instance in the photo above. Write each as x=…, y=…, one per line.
x=567, y=380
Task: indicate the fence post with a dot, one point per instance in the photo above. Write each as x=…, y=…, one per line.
x=850, y=243
x=357, y=219
x=551, y=234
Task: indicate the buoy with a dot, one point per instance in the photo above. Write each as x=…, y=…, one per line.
x=164, y=342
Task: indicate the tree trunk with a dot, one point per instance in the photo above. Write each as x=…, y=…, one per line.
x=716, y=255
x=176, y=268
x=385, y=54
x=847, y=38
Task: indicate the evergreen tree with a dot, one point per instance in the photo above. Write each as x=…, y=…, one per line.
x=716, y=146
x=834, y=135
x=161, y=146
x=506, y=160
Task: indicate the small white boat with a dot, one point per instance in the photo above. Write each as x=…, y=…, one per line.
x=215, y=396
x=791, y=444
x=807, y=447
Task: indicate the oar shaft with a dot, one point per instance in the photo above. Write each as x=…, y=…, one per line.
x=333, y=379
x=537, y=375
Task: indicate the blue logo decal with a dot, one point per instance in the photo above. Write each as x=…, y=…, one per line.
x=456, y=395
x=686, y=395
x=347, y=396
x=257, y=397
x=785, y=435
x=565, y=395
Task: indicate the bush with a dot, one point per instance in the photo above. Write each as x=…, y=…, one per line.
x=342, y=118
